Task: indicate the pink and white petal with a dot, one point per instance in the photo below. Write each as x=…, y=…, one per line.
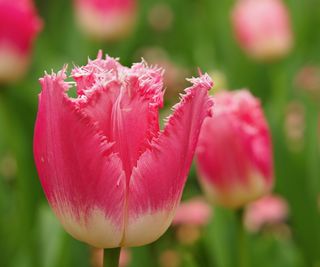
x=157, y=182
x=82, y=179
x=215, y=162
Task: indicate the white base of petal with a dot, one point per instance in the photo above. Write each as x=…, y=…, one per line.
x=13, y=65
x=147, y=228
x=237, y=195
x=94, y=229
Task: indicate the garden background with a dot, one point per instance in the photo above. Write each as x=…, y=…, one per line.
x=196, y=33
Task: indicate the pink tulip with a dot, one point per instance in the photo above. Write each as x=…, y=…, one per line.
x=106, y=19
x=234, y=155
x=268, y=210
x=111, y=176
x=190, y=217
x=19, y=25
x=308, y=79
x=263, y=28
x=195, y=211
x=170, y=258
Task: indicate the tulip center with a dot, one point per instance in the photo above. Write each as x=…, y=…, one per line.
x=123, y=103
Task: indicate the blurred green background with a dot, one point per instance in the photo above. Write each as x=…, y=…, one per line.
x=199, y=34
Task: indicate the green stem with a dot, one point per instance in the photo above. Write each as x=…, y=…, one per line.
x=279, y=91
x=242, y=253
x=111, y=257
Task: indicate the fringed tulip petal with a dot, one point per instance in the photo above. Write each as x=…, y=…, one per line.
x=122, y=101
x=82, y=178
x=157, y=181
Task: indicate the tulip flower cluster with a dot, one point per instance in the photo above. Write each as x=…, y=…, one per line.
x=110, y=175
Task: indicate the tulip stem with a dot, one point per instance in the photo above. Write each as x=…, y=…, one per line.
x=111, y=257
x=242, y=257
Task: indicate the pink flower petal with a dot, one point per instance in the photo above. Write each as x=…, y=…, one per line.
x=124, y=102
x=108, y=6
x=157, y=182
x=82, y=179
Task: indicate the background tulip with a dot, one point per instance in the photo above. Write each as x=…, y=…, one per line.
x=190, y=217
x=111, y=176
x=263, y=28
x=106, y=19
x=19, y=25
x=269, y=210
x=308, y=80
x=234, y=154
x=195, y=211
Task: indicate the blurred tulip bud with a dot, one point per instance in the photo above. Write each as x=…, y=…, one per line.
x=269, y=210
x=263, y=28
x=169, y=258
x=160, y=17
x=294, y=125
x=108, y=20
x=8, y=166
x=188, y=234
x=308, y=79
x=19, y=25
x=191, y=215
x=234, y=154
x=195, y=211
x=112, y=177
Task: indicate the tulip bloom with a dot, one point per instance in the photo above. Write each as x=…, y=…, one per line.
x=195, y=211
x=106, y=19
x=190, y=217
x=263, y=28
x=111, y=176
x=308, y=79
x=269, y=210
x=19, y=25
x=234, y=154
